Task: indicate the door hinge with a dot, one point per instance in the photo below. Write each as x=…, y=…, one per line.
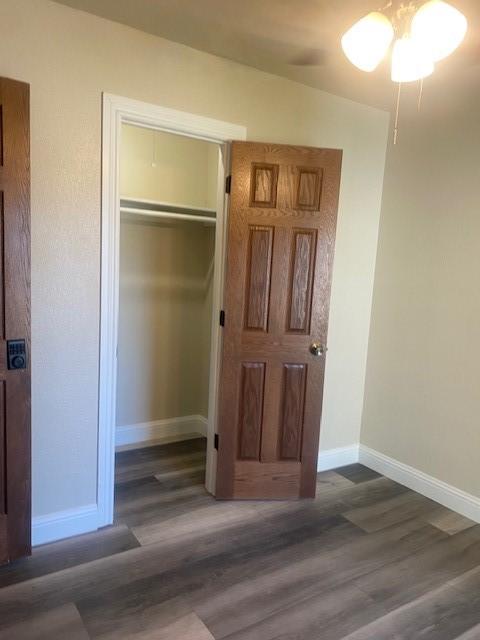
x=228, y=184
x=215, y=441
x=222, y=318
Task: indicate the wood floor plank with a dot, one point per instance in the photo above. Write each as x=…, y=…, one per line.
x=214, y=516
x=366, y=494
x=56, y=624
x=331, y=480
x=227, y=608
x=160, y=452
x=141, y=468
x=204, y=513
x=448, y=612
x=194, y=474
x=424, y=570
x=137, y=622
x=189, y=627
x=358, y=473
x=385, y=513
x=471, y=634
x=145, y=501
x=322, y=617
x=158, y=560
x=449, y=521
x=175, y=457
x=171, y=620
x=243, y=558
x=72, y=552
x=225, y=515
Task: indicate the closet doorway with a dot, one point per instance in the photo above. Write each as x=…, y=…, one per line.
x=283, y=203
x=163, y=255
x=168, y=204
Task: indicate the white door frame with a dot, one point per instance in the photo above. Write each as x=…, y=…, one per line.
x=118, y=110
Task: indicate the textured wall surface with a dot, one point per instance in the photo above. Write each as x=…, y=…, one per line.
x=69, y=58
x=422, y=395
x=155, y=165
x=166, y=277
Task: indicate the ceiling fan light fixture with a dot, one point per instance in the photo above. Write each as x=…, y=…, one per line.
x=439, y=27
x=409, y=61
x=367, y=41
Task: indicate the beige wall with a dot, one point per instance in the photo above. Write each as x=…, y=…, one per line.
x=169, y=168
x=164, y=322
x=422, y=397
x=69, y=58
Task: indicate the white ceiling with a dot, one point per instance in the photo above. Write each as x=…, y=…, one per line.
x=297, y=39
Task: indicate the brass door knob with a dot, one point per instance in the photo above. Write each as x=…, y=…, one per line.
x=317, y=349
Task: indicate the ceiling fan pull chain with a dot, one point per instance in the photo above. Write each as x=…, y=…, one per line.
x=397, y=111
x=420, y=95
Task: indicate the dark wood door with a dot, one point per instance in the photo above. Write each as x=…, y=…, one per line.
x=15, y=511
x=281, y=237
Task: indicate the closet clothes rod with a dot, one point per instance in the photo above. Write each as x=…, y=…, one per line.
x=169, y=207
x=149, y=213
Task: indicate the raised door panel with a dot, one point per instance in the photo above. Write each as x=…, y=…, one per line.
x=300, y=188
x=263, y=185
x=260, y=247
x=293, y=405
x=309, y=188
x=251, y=410
x=302, y=268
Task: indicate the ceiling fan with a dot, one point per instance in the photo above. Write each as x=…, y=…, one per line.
x=422, y=34
x=415, y=25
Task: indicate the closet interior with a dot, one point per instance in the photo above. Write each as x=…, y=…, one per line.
x=168, y=186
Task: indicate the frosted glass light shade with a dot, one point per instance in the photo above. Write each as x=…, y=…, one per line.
x=409, y=61
x=439, y=27
x=367, y=41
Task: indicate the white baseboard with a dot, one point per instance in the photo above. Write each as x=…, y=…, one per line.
x=443, y=493
x=334, y=458
x=169, y=430
x=64, y=524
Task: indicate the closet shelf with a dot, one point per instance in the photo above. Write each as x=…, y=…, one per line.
x=151, y=211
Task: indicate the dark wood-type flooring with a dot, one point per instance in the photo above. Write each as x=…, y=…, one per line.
x=367, y=560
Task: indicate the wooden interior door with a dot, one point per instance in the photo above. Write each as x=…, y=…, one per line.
x=281, y=237
x=15, y=511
